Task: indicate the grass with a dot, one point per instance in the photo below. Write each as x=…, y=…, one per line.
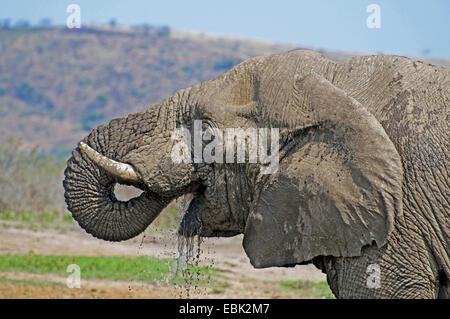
x=35, y=217
x=308, y=288
x=141, y=269
x=216, y=290
x=35, y=283
x=168, y=219
x=146, y=269
x=36, y=221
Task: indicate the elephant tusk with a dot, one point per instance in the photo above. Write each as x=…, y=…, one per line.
x=123, y=171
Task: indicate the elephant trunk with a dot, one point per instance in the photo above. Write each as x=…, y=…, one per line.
x=89, y=188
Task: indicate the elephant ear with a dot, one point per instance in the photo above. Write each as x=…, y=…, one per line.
x=336, y=190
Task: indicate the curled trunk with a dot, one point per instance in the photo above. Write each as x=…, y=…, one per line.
x=89, y=190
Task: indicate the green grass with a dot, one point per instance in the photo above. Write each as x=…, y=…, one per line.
x=218, y=290
x=35, y=217
x=35, y=283
x=308, y=288
x=146, y=269
x=169, y=219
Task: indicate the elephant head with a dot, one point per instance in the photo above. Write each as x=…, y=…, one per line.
x=336, y=186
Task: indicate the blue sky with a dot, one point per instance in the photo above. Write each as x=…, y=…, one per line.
x=408, y=27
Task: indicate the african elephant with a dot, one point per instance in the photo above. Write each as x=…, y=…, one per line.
x=361, y=187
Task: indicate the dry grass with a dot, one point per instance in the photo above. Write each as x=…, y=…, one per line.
x=29, y=181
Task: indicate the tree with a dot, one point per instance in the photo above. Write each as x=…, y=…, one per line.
x=5, y=23
x=22, y=24
x=163, y=31
x=112, y=23
x=45, y=23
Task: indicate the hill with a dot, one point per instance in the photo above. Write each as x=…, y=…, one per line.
x=56, y=84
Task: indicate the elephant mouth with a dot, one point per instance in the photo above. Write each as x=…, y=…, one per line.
x=190, y=224
x=201, y=218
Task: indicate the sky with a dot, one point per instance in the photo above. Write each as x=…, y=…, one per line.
x=402, y=27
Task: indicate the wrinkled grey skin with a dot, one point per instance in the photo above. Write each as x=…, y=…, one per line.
x=362, y=178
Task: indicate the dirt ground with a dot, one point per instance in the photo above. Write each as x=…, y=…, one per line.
x=227, y=254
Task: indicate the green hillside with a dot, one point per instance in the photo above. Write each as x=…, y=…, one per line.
x=58, y=83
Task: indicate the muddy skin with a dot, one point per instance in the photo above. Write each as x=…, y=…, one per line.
x=362, y=177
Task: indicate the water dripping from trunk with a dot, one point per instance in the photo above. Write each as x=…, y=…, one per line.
x=188, y=257
x=185, y=252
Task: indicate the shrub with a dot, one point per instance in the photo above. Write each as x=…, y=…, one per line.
x=40, y=103
x=29, y=180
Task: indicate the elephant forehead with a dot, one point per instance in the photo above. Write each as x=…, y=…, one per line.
x=263, y=82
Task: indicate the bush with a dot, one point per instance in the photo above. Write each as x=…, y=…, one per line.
x=163, y=31
x=38, y=101
x=29, y=180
